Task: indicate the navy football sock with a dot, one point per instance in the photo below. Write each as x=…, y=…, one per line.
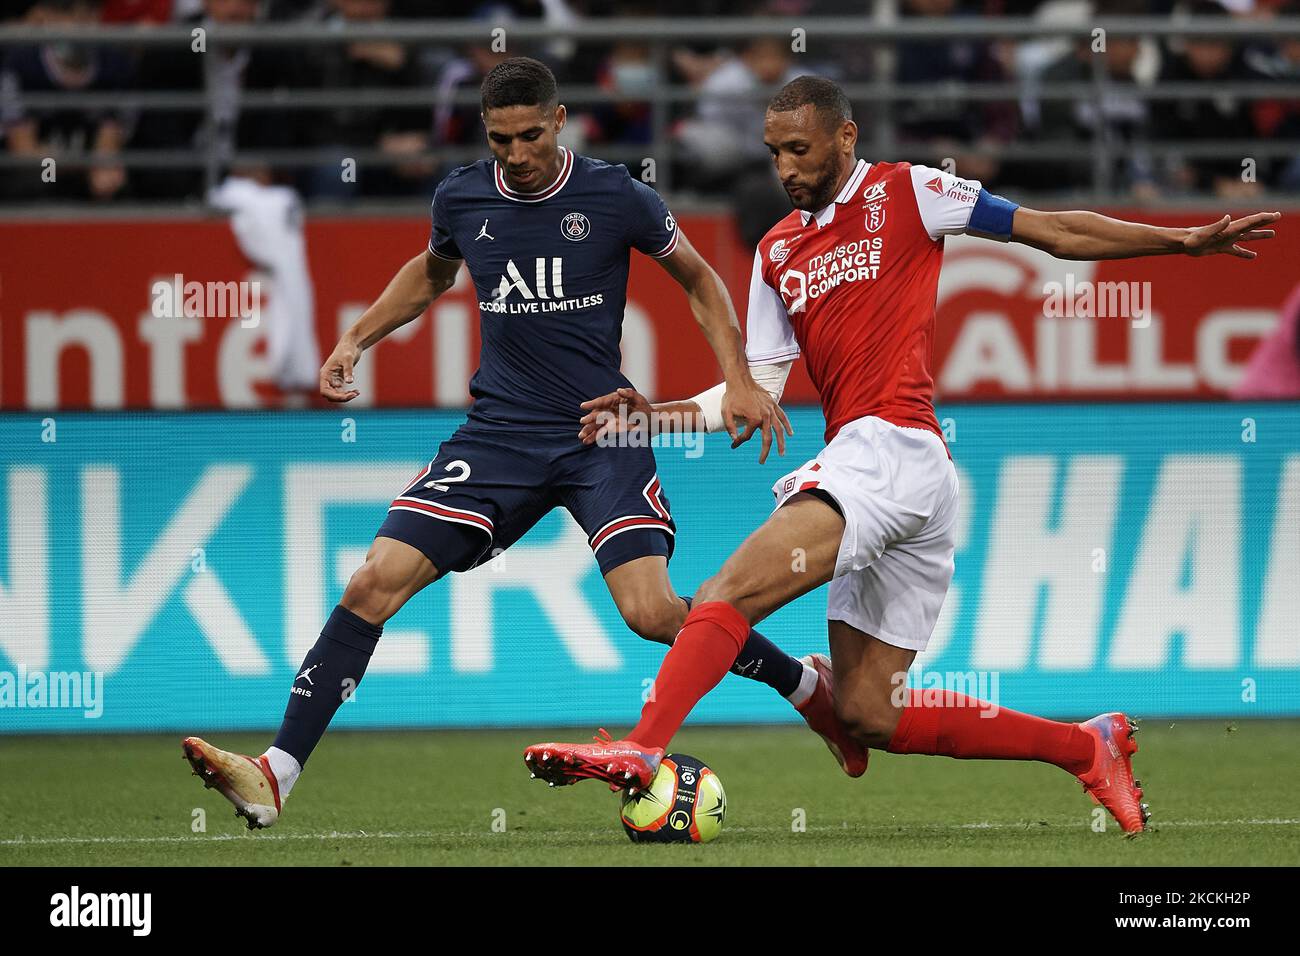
x=763, y=661
x=329, y=674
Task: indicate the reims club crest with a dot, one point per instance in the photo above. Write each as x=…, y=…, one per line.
x=875, y=217
x=873, y=200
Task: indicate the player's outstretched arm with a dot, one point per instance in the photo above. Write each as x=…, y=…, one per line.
x=745, y=400
x=627, y=410
x=409, y=293
x=1089, y=235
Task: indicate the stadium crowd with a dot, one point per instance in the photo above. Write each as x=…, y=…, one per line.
x=717, y=135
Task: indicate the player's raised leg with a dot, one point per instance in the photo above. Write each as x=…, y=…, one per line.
x=650, y=607
x=644, y=594
x=880, y=711
x=792, y=553
x=392, y=573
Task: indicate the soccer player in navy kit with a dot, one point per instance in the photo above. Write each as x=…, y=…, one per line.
x=546, y=235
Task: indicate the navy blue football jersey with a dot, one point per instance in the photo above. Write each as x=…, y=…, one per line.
x=550, y=269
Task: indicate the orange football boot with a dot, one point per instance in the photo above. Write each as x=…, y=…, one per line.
x=623, y=764
x=1109, y=781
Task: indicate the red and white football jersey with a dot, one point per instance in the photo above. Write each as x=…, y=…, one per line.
x=853, y=289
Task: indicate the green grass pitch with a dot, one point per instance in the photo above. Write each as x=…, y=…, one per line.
x=1222, y=794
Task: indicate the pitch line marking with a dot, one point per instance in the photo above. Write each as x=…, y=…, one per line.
x=427, y=835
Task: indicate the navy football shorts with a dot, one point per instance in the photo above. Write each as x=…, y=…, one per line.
x=488, y=486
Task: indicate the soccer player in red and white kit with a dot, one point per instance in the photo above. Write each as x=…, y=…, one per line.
x=849, y=281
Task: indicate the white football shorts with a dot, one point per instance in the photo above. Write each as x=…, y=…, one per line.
x=897, y=489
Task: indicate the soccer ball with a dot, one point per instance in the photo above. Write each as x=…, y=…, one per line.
x=684, y=803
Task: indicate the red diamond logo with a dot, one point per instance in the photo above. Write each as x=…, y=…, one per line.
x=936, y=184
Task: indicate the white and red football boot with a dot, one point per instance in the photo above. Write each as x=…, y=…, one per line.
x=247, y=782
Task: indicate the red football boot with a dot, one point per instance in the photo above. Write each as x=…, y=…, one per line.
x=819, y=711
x=1110, y=779
x=623, y=764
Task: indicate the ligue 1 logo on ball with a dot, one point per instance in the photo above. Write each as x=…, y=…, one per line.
x=575, y=226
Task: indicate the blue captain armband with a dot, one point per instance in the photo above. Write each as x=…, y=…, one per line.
x=992, y=216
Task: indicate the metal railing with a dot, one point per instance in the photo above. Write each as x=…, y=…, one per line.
x=883, y=92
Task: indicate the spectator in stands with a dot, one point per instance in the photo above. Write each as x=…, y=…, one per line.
x=627, y=74
x=267, y=223
x=726, y=135
x=137, y=11
x=1280, y=119
x=1120, y=117
x=217, y=133
x=396, y=131
x=52, y=133
x=1210, y=62
x=297, y=9
x=458, y=124
x=949, y=124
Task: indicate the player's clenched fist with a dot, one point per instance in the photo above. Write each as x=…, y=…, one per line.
x=336, y=373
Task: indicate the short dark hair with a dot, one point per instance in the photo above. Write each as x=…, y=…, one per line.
x=820, y=93
x=519, y=81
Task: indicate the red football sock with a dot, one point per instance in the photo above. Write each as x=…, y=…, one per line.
x=700, y=657
x=966, y=727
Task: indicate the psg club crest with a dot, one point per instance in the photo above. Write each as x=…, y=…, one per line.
x=575, y=227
